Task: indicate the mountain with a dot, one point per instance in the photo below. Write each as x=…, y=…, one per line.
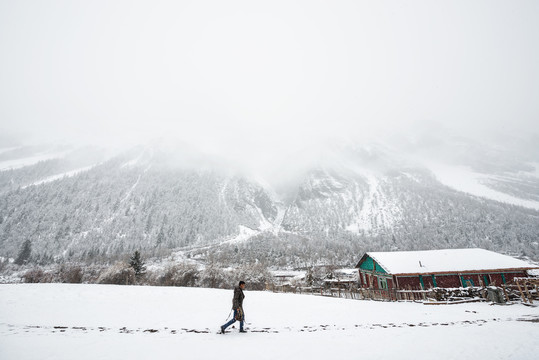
x=88, y=204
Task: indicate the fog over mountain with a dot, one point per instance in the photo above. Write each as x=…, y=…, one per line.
x=292, y=132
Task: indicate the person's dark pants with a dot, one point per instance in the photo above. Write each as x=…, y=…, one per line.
x=234, y=320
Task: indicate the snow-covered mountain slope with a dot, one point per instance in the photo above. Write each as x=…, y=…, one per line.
x=520, y=188
x=507, y=172
x=160, y=198
x=359, y=204
x=34, y=165
x=60, y=176
x=15, y=158
x=112, y=208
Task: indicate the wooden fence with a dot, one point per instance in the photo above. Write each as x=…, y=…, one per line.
x=355, y=293
x=528, y=288
x=525, y=288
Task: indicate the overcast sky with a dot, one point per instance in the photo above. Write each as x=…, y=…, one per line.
x=247, y=77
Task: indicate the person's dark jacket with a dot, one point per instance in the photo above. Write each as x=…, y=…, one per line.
x=237, y=301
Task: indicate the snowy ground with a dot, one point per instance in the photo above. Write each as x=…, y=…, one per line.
x=54, y=321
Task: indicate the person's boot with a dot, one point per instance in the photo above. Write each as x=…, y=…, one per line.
x=222, y=329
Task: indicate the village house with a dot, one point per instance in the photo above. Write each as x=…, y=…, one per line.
x=421, y=270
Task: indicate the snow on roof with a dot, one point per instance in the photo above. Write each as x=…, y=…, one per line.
x=287, y=273
x=453, y=260
x=347, y=271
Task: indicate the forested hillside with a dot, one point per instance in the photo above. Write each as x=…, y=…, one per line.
x=86, y=207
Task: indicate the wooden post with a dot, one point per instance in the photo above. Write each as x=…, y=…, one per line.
x=530, y=299
x=505, y=293
x=520, y=289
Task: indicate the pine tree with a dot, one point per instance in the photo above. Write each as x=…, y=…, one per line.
x=24, y=253
x=137, y=264
x=160, y=237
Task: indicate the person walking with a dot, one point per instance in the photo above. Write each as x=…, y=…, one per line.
x=237, y=306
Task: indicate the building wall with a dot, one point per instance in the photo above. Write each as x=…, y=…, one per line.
x=474, y=278
x=495, y=279
x=390, y=284
x=510, y=276
x=371, y=271
x=448, y=281
x=371, y=280
x=408, y=281
x=368, y=264
x=454, y=281
x=427, y=281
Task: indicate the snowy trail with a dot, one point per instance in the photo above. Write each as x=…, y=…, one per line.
x=442, y=343
x=10, y=329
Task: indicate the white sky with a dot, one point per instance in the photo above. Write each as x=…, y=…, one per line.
x=248, y=77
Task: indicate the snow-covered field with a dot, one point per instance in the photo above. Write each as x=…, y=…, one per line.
x=57, y=321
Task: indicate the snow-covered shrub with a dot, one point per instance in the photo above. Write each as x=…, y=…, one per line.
x=256, y=276
x=118, y=274
x=179, y=275
x=91, y=273
x=213, y=277
x=71, y=274
x=37, y=275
